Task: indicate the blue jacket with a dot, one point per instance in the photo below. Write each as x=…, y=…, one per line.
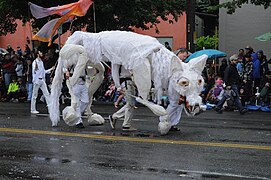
x=256, y=66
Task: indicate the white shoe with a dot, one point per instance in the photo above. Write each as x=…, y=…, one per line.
x=35, y=112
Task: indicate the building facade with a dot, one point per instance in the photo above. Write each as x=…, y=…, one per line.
x=239, y=30
x=174, y=33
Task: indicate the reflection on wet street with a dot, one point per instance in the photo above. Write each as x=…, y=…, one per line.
x=207, y=147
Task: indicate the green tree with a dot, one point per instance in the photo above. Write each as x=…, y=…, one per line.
x=207, y=6
x=207, y=42
x=110, y=14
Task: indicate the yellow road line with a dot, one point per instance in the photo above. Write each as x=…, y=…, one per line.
x=132, y=139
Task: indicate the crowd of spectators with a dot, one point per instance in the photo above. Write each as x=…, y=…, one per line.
x=254, y=79
x=16, y=72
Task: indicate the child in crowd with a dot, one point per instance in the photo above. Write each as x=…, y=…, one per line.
x=13, y=88
x=22, y=92
x=110, y=90
x=215, y=94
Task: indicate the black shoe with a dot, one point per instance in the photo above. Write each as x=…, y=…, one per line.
x=243, y=111
x=112, y=122
x=174, y=128
x=128, y=129
x=80, y=126
x=219, y=111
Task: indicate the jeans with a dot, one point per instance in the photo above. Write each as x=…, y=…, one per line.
x=236, y=98
x=7, y=78
x=29, y=88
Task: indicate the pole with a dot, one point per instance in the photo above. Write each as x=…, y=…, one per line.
x=94, y=17
x=190, y=24
x=59, y=32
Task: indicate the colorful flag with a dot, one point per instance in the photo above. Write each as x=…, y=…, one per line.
x=67, y=11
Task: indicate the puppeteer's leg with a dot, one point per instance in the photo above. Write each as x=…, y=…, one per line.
x=81, y=95
x=127, y=110
x=130, y=103
x=142, y=78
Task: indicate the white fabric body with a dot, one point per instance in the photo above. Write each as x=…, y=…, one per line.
x=174, y=111
x=127, y=110
x=148, y=60
x=120, y=47
x=39, y=84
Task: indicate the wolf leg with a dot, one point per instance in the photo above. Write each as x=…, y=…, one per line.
x=142, y=79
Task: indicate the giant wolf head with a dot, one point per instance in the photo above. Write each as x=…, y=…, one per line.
x=187, y=81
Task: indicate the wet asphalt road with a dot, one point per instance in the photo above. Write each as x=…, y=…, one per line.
x=209, y=146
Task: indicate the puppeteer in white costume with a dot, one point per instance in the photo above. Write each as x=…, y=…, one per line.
x=148, y=60
x=82, y=85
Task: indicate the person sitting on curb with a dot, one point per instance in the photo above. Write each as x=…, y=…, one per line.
x=12, y=94
x=232, y=80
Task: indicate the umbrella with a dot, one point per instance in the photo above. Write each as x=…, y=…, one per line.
x=264, y=37
x=211, y=53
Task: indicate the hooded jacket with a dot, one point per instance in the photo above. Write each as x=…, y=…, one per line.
x=256, y=66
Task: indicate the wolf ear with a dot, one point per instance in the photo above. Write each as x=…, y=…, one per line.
x=198, y=63
x=176, y=65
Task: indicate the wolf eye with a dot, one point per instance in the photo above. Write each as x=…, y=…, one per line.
x=183, y=83
x=199, y=81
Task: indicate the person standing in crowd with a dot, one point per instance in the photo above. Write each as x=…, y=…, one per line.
x=247, y=78
x=248, y=50
x=29, y=84
x=256, y=71
x=222, y=68
x=19, y=67
x=121, y=75
x=232, y=80
x=10, y=49
x=38, y=74
x=168, y=46
x=27, y=50
x=8, y=69
x=241, y=53
x=19, y=51
x=264, y=62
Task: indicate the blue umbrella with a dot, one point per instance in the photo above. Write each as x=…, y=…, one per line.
x=211, y=53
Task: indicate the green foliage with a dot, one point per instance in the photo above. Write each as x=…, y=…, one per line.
x=231, y=6
x=207, y=6
x=207, y=42
x=110, y=14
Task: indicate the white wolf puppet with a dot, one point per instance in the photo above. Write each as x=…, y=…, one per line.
x=148, y=60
